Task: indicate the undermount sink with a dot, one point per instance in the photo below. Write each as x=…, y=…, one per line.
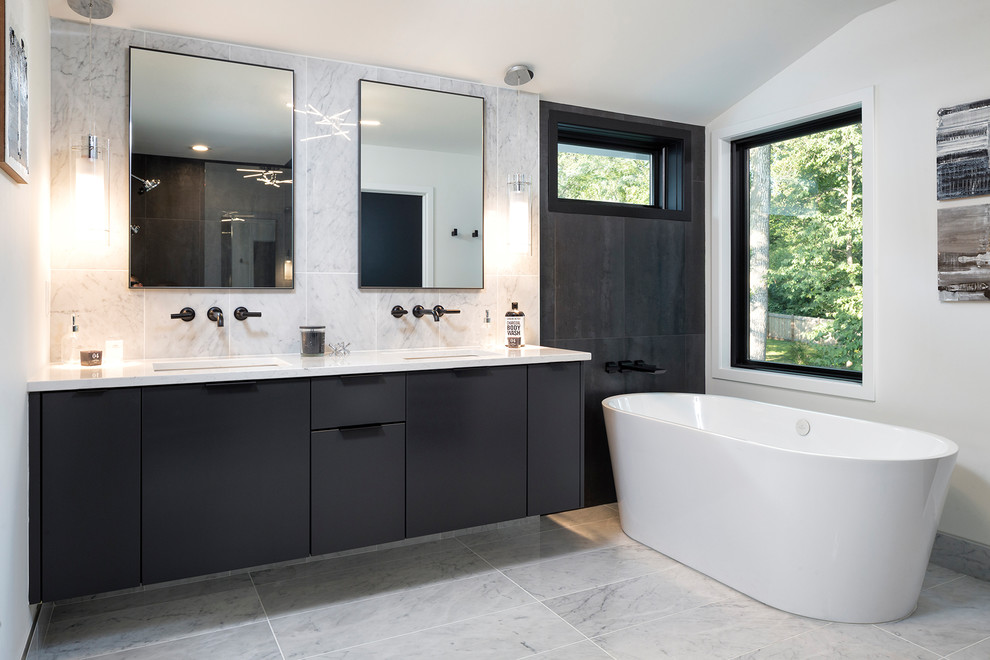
x=219, y=363
x=446, y=354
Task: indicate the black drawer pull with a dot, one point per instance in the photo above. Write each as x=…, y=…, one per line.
x=358, y=376
x=364, y=427
x=231, y=385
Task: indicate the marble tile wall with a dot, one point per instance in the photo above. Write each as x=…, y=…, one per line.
x=90, y=278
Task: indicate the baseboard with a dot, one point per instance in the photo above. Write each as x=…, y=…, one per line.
x=962, y=556
x=42, y=617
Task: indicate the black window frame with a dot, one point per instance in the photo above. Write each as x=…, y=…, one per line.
x=739, y=244
x=670, y=148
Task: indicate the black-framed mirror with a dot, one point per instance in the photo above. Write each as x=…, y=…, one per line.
x=210, y=173
x=422, y=188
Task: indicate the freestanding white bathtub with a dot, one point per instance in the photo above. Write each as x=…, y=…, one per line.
x=823, y=516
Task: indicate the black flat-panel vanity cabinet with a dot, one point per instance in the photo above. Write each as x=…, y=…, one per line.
x=465, y=448
x=225, y=470
x=555, y=429
x=89, y=448
x=358, y=480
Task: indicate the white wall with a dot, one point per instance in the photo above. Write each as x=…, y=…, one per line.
x=931, y=357
x=456, y=205
x=23, y=332
x=92, y=279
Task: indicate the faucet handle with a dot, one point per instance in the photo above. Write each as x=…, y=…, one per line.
x=241, y=313
x=398, y=311
x=439, y=310
x=187, y=314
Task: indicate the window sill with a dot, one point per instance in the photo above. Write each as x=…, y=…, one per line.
x=847, y=389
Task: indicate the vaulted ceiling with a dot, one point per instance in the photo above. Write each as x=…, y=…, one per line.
x=681, y=60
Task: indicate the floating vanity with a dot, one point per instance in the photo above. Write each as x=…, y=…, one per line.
x=159, y=470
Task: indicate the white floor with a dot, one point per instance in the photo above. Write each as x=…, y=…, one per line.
x=570, y=586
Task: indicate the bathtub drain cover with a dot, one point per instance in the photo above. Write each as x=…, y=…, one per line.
x=803, y=427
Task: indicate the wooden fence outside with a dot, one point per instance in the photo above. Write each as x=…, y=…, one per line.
x=788, y=327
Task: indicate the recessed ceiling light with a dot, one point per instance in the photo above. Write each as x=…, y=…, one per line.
x=370, y=122
x=199, y=147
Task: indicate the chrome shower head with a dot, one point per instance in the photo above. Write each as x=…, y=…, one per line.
x=92, y=8
x=146, y=184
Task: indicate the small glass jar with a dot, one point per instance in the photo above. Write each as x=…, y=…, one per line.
x=313, y=339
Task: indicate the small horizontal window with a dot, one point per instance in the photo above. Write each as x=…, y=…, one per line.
x=603, y=166
x=604, y=175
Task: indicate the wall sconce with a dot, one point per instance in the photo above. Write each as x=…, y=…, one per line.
x=90, y=180
x=518, y=231
x=89, y=156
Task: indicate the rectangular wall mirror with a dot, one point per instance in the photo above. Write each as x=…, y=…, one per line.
x=422, y=188
x=211, y=173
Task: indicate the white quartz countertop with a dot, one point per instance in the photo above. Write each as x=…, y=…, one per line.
x=175, y=371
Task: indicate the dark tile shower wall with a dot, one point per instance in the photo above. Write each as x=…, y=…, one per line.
x=624, y=289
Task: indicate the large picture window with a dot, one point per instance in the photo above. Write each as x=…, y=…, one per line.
x=797, y=249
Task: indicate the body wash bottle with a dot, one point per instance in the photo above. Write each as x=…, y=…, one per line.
x=515, y=327
x=70, y=344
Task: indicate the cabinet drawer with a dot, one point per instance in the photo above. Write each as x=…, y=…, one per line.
x=358, y=487
x=358, y=400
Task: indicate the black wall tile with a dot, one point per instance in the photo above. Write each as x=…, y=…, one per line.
x=654, y=277
x=589, y=295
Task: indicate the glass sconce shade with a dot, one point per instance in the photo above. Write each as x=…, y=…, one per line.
x=90, y=180
x=518, y=224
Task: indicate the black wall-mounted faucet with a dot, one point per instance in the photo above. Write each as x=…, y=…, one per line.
x=438, y=310
x=215, y=314
x=623, y=366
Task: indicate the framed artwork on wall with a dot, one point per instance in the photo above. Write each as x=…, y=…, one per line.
x=964, y=253
x=14, y=92
x=962, y=149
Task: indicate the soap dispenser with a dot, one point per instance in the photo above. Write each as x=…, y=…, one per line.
x=514, y=327
x=70, y=344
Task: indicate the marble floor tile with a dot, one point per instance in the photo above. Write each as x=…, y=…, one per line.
x=936, y=575
x=949, y=617
x=254, y=641
x=374, y=619
x=558, y=577
x=526, y=527
x=578, y=517
x=360, y=582
x=113, y=631
x=638, y=600
x=581, y=651
x=843, y=640
x=978, y=651
x=319, y=567
x=721, y=630
x=520, y=550
x=152, y=595
x=515, y=633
